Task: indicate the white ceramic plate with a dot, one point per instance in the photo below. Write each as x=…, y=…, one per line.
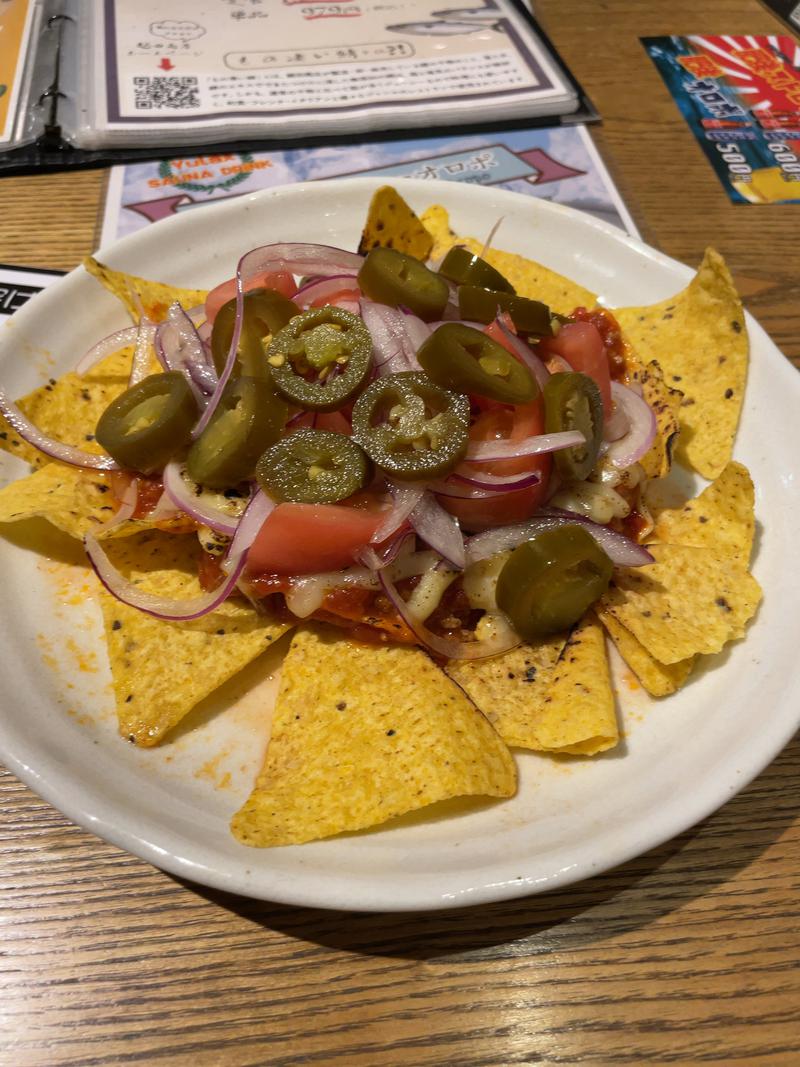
x=682, y=758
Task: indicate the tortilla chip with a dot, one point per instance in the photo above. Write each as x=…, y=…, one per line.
x=392, y=224
x=690, y=600
x=162, y=669
x=665, y=403
x=361, y=734
x=528, y=278
x=139, y=294
x=67, y=408
x=509, y=689
x=700, y=340
x=75, y=501
x=577, y=716
x=721, y=518
x=659, y=679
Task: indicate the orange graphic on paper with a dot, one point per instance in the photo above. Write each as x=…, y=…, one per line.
x=13, y=16
x=701, y=66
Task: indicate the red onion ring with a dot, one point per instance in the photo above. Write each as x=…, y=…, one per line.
x=404, y=499
x=439, y=530
x=161, y=607
x=394, y=350
x=107, y=347
x=641, y=432
x=446, y=648
x=322, y=288
x=141, y=354
x=183, y=494
x=621, y=550
x=255, y=515
x=487, y=451
x=74, y=457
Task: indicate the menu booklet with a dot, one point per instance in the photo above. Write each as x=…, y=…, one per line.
x=133, y=75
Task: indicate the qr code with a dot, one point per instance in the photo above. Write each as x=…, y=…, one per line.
x=165, y=92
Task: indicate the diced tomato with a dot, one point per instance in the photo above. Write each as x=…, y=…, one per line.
x=334, y=421
x=612, y=337
x=581, y=345
x=307, y=538
x=505, y=424
x=280, y=280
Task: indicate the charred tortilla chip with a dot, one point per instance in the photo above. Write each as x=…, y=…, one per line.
x=659, y=679
x=161, y=670
x=528, y=278
x=665, y=403
x=392, y=224
x=691, y=600
x=67, y=408
x=141, y=294
x=700, y=340
x=721, y=518
x=509, y=689
x=361, y=734
x=578, y=715
x=554, y=696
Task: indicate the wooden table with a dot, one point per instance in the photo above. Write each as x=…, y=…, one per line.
x=684, y=955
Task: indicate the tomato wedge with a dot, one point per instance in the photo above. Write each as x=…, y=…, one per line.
x=280, y=280
x=504, y=424
x=581, y=345
x=309, y=538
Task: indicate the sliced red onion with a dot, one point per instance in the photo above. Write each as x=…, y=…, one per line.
x=404, y=499
x=256, y=514
x=417, y=331
x=485, y=452
x=617, y=424
x=524, y=351
x=107, y=347
x=197, y=314
x=306, y=260
x=497, y=483
x=374, y=560
x=165, y=509
x=75, y=457
x=620, y=550
x=439, y=530
x=321, y=288
x=141, y=354
x=187, y=496
x=161, y=607
x=126, y=509
x=447, y=648
x=204, y=331
x=492, y=233
x=394, y=350
x=641, y=432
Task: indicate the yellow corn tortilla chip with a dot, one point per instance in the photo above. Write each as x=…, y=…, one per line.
x=529, y=278
x=578, y=716
x=721, y=518
x=154, y=297
x=665, y=402
x=690, y=600
x=361, y=734
x=392, y=224
x=509, y=689
x=659, y=679
x=73, y=500
x=161, y=670
x=67, y=408
x=700, y=340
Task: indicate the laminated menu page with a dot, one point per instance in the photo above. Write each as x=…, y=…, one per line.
x=171, y=72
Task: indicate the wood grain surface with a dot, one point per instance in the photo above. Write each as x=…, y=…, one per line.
x=688, y=954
